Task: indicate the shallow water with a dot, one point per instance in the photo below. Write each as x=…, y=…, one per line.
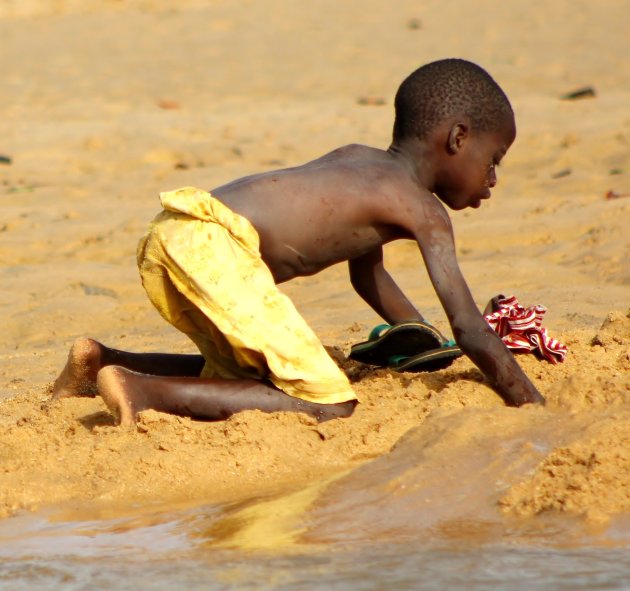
x=166, y=551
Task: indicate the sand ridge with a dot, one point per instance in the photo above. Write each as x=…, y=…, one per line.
x=70, y=451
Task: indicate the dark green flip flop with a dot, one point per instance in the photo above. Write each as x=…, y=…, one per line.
x=428, y=360
x=406, y=339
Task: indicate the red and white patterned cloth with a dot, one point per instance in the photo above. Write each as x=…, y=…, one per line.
x=521, y=329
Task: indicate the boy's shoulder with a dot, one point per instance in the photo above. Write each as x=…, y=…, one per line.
x=354, y=153
x=383, y=170
x=390, y=191
x=365, y=165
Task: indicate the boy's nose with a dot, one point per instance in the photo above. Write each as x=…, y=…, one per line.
x=492, y=178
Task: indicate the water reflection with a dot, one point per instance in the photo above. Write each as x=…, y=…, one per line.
x=365, y=568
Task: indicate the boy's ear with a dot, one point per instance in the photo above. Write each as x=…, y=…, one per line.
x=456, y=137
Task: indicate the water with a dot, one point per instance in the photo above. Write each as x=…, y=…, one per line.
x=181, y=550
x=373, y=568
x=487, y=569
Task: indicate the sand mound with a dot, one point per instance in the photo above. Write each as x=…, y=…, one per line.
x=70, y=450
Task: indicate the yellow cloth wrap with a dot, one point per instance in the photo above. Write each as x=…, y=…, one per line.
x=201, y=267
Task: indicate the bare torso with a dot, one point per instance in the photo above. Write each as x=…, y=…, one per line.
x=345, y=206
x=332, y=209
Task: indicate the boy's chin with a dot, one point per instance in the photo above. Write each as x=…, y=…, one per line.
x=457, y=202
x=460, y=203
x=457, y=205
x=449, y=200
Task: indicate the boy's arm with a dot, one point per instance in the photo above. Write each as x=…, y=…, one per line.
x=377, y=288
x=472, y=333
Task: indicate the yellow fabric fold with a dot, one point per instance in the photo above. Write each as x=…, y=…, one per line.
x=201, y=267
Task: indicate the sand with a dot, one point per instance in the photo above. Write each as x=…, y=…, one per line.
x=104, y=106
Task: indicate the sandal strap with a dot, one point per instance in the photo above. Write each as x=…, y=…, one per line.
x=377, y=331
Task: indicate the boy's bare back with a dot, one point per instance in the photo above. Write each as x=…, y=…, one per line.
x=335, y=208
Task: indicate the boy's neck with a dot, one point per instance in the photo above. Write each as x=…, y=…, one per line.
x=416, y=157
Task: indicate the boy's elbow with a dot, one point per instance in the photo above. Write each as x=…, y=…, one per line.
x=355, y=275
x=357, y=284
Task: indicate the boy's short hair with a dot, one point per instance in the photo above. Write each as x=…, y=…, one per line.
x=446, y=88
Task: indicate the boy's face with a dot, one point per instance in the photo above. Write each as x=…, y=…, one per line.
x=469, y=171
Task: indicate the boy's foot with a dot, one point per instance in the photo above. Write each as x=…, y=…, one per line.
x=78, y=377
x=119, y=390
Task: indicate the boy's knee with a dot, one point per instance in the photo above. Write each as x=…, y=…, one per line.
x=347, y=408
x=341, y=410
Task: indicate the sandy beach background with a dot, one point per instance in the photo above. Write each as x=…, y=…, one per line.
x=104, y=104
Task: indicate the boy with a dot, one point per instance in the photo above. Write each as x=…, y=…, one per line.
x=210, y=262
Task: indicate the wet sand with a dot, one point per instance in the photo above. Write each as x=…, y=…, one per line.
x=95, y=123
